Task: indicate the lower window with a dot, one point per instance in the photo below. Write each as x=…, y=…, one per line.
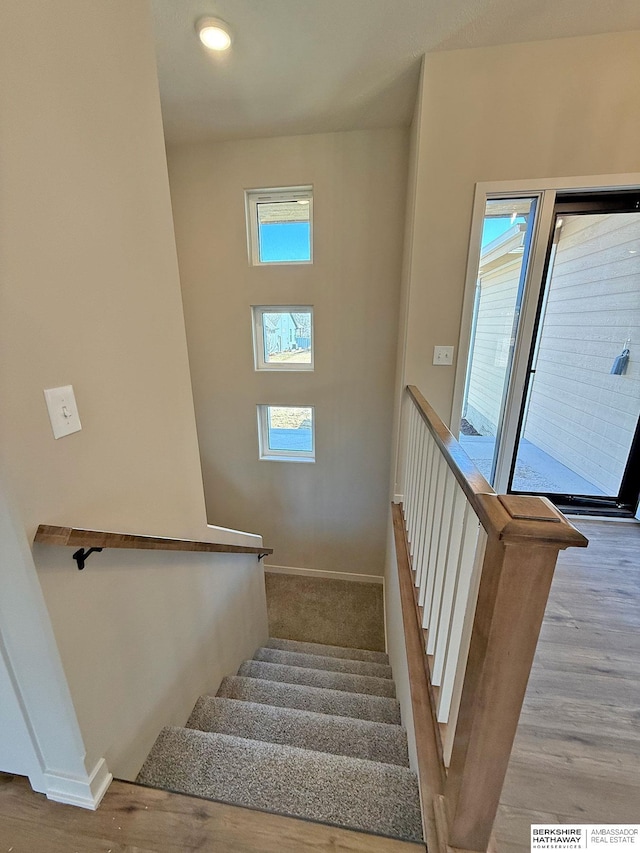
x=286, y=433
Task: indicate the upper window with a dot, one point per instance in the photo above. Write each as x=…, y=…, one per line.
x=280, y=225
x=283, y=337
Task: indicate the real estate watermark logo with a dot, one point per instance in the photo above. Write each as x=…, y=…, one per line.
x=585, y=836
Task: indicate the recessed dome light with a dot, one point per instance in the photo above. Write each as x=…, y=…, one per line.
x=214, y=33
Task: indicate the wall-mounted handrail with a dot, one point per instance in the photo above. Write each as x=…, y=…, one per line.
x=48, y=534
x=480, y=566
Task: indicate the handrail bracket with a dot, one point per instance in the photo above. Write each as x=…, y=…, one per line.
x=80, y=556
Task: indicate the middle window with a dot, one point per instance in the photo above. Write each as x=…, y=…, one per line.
x=283, y=337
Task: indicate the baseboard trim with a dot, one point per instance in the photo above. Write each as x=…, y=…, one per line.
x=322, y=573
x=85, y=792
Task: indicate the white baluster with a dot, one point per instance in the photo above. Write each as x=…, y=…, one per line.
x=435, y=536
x=417, y=519
x=451, y=574
x=410, y=471
x=429, y=521
x=462, y=615
x=441, y=559
x=431, y=455
x=413, y=518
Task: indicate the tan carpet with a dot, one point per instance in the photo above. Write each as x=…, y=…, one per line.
x=334, y=612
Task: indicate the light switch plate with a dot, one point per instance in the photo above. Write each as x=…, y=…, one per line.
x=443, y=355
x=63, y=412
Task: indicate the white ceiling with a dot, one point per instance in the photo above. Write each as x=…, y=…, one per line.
x=310, y=66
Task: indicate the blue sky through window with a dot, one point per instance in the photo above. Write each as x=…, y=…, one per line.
x=496, y=225
x=285, y=241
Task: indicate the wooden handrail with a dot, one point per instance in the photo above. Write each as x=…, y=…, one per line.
x=468, y=476
x=48, y=534
x=516, y=567
x=515, y=518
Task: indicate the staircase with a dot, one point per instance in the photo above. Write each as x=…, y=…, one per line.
x=304, y=730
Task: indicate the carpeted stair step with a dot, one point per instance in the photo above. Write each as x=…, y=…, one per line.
x=348, y=792
x=326, y=651
x=356, y=667
x=321, y=732
x=379, y=709
x=318, y=678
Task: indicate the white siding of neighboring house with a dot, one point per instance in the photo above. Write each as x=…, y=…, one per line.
x=579, y=413
x=493, y=331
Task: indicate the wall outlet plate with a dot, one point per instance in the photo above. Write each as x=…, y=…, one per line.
x=443, y=355
x=63, y=412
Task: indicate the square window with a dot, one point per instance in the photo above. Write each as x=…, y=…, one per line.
x=279, y=225
x=283, y=337
x=286, y=433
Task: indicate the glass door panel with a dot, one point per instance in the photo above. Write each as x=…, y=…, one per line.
x=506, y=238
x=577, y=437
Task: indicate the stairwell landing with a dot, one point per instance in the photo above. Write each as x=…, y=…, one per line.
x=304, y=730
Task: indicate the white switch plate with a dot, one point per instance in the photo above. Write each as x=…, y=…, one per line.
x=63, y=412
x=443, y=355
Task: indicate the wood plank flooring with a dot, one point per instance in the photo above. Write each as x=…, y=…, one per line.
x=576, y=753
x=132, y=819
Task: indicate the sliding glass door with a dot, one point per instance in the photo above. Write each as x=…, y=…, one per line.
x=502, y=272
x=578, y=434
x=551, y=400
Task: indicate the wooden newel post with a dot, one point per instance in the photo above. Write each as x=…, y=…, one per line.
x=524, y=537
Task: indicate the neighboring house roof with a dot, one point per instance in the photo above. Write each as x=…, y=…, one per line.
x=504, y=249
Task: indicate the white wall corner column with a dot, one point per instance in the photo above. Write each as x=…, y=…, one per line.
x=40, y=736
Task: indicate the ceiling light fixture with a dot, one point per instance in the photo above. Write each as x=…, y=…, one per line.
x=214, y=33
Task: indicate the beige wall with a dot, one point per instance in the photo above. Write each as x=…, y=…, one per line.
x=545, y=109
x=90, y=279
x=142, y=634
x=330, y=515
x=90, y=296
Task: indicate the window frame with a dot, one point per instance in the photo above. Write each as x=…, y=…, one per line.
x=547, y=190
x=254, y=197
x=257, y=327
x=265, y=453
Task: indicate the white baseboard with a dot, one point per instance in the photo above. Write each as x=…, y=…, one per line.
x=398, y=499
x=85, y=792
x=321, y=573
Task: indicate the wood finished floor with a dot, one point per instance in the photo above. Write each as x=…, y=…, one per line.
x=132, y=819
x=576, y=757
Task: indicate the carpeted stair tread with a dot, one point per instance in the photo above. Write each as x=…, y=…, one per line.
x=372, y=741
x=319, y=700
x=356, y=667
x=348, y=792
x=326, y=651
x=318, y=678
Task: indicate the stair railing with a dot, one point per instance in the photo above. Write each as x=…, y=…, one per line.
x=97, y=540
x=475, y=570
